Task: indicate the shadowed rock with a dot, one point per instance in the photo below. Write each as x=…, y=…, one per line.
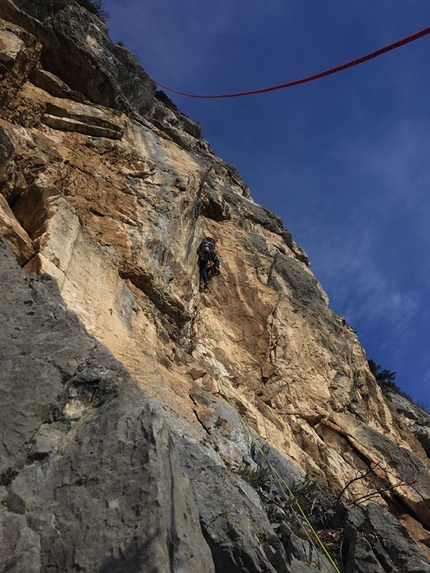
x=110, y=192
x=90, y=478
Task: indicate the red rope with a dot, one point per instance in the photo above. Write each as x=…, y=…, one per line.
x=329, y=72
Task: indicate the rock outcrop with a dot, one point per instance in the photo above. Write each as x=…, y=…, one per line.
x=90, y=477
x=106, y=191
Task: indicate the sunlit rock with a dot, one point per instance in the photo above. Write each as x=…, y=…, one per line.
x=107, y=190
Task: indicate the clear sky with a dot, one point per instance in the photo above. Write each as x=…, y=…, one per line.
x=345, y=160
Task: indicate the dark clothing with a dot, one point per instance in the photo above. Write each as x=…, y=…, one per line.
x=203, y=265
x=207, y=258
x=206, y=248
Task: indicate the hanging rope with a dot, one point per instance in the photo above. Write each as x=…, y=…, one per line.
x=277, y=475
x=305, y=80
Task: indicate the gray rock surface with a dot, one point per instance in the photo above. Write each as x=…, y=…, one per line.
x=42, y=9
x=90, y=477
x=416, y=418
x=376, y=542
x=77, y=49
x=6, y=148
x=238, y=532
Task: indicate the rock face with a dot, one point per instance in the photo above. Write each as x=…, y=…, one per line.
x=262, y=391
x=90, y=477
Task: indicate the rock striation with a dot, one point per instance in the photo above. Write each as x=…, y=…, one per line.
x=147, y=426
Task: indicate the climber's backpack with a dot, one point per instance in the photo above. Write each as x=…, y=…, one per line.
x=206, y=248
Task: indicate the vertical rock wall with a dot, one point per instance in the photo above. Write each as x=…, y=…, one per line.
x=109, y=191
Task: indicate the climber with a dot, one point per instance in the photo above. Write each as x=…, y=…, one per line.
x=209, y=262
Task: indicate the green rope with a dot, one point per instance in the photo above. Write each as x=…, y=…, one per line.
x=273, y=469
x=276, y=473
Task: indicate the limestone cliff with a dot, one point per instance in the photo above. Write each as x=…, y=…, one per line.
x=140, y=466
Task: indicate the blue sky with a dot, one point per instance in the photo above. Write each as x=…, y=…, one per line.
x=343, y=160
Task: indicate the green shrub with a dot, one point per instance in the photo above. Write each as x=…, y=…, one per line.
x=95, y=7
x=255, y=478
x=382, y=376
x=385, y=378
x=164, y=98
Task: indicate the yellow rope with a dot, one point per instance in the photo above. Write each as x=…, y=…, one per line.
x=272, y=469
x=275, y=472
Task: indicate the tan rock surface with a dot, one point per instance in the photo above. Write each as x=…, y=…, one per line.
x=115, y=207
x=17, y=239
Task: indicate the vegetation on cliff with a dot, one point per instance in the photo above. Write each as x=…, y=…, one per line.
x=95, y=7
x=107, y=192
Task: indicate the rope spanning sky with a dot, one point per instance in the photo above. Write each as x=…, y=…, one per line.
x=343, y=160
x=325, y=73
